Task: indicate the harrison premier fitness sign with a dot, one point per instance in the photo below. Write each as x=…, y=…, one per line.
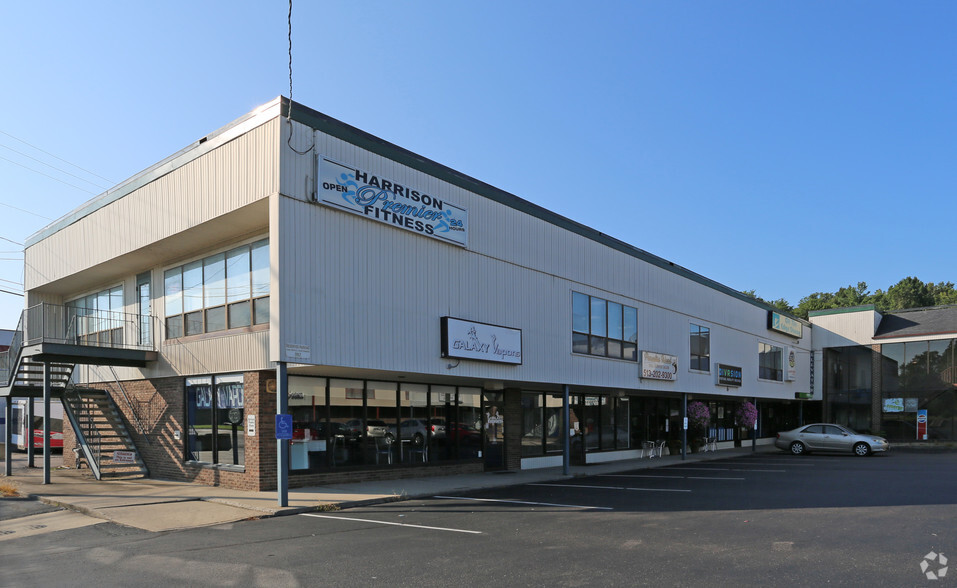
x=383, y=200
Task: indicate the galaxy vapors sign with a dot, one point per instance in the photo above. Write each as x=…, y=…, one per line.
x=382, y=199
x=471, y=340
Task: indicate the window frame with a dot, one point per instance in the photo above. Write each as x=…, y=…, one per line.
x=229, y=312
x=702, y=331
x=597, y=341
x=770, y=373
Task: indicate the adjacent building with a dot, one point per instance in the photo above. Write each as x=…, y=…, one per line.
x=891, y=373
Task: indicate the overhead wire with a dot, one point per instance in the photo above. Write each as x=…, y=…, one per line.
x=109, y=181
x=49, y=176
x=41, y=162
x=289, y=109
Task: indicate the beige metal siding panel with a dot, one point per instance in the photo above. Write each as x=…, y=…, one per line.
x=214, y=355
x=225, y=179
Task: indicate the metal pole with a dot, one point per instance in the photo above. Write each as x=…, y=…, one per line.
x=46, y=422
x=684, y=428
x=8, y=437
x=282, y=445
x=754, y=430
x=567, y=444
x=29, y=432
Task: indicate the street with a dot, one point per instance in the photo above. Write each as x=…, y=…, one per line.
x=765, y=519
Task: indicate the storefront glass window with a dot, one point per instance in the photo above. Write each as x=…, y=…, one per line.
x=553, y=422
x=345, y=408
x=215, y=420
x=622, y=424
x=311, y=433
x=465, y=435
x=381, y=418
x=532, y=424
x=230, y=420
x=443, y=404
x=199, y=419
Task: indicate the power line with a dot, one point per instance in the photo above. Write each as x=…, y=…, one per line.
x=11, y=282
x=11, y=241
x=9, y=292
x=109, y=181
x=26, y=211
x=48, y=175
x=41, y=162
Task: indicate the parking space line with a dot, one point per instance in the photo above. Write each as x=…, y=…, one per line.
x=665, y=477
x=639, y=476
x=319, y=516
x=611, y=487
x=761, y=471
x=658, y=489
x=523, y=502
x=581, y=486
x=762, y=462
x=704, y=469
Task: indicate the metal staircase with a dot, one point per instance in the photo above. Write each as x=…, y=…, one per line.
x=104, y=441
x=29, y=374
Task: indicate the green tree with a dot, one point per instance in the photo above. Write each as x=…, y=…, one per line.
x=908, y=293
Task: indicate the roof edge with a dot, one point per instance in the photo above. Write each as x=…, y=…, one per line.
x=849, y=309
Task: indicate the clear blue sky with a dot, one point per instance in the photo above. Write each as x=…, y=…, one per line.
x=786, y=147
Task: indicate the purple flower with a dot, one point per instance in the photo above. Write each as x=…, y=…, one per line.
x=699, y=415
x=745, y=415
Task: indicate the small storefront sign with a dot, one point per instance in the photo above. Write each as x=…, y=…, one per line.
x=298, y=352
x=922, y=424
x=471, y=340
x=384, y=200
x=729, y=375
x=790, y=370
x=893, y=405
x=659, y=366
x=124, y=457
x=250, y=425
x=782, y=324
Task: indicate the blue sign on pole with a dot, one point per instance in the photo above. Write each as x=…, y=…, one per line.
x=284, y=426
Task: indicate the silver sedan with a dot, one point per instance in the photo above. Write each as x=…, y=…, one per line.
x=827, y=437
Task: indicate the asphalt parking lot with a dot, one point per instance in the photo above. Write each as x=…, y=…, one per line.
x=762, y=519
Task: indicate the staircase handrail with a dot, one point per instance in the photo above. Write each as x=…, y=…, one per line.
x=9, y=357
x=92, y=460
x=136, y=419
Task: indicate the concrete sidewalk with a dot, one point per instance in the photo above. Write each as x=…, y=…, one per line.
x=159, y=505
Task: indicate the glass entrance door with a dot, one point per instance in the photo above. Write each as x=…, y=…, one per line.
x=493, y=427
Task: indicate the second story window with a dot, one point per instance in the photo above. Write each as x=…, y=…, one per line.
x=97, y=319
x=700, y=348
x=770, y=362
x=223, y=291
x=604, y=328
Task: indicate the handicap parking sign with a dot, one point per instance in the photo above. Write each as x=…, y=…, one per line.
x=283, y=426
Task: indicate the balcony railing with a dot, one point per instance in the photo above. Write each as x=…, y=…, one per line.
x=69, y=325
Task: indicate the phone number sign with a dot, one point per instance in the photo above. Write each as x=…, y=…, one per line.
x=659, y=366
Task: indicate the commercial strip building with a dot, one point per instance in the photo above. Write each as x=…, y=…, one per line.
x=411, y=320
